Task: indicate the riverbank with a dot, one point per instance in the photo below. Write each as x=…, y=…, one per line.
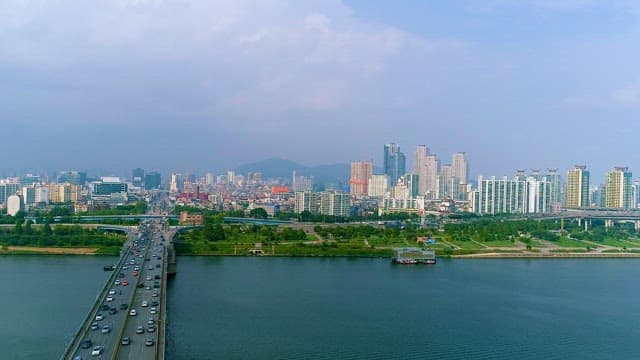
x=36, y=250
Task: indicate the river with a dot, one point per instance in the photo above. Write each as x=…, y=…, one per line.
x=314, y=308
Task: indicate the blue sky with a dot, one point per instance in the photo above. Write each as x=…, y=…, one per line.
x=198, y=85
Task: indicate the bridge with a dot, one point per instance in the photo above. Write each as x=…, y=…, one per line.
x=92, y=218
x=128, y=318
x=585, y=216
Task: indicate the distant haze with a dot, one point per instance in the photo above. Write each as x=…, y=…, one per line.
x=209, y=85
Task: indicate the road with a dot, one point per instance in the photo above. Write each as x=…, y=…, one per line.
x=118, y=297
x=149, y=293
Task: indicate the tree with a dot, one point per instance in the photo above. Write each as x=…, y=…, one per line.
x=258, y=213
x=47, y=228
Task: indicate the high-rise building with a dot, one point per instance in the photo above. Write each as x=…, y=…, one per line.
x=432, y=169
x=577, y=193
x=555, y=190
x=137, y=177
x=306, y=201
x=618, y=192
x=108, y=186
x=8, y=188
x=29, y=195
x=394, y=162
x=72, y=177
x=420, y=167
x=335, y=203
x=460, y=167
x=497, y=196
x=378, y=185
x=152, y=180
x=209, y=179
x=361, y=172
x=302, y=183
x=176, y=185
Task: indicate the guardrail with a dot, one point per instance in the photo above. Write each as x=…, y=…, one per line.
x=101, y=295
x=163, y=306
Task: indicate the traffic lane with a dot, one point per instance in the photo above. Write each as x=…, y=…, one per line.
x=115, y=321
x=136, y=349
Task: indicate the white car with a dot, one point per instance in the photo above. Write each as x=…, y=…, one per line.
x=153, y=311
x=97, y=350
x=112, y=292
x=133, y=312
x=145, y=304
x=99, y=317
x=109, y=298
x=117, y=282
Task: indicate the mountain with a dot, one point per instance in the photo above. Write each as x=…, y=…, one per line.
x=283, y=168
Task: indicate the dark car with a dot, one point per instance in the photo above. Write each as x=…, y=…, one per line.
x=140, y=286
x=124, y=306
x=104, y=307
x=154, y=303
x=86, y=344
x=113, y=311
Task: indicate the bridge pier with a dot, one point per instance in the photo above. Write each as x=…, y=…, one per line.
x=587, y=224
x=608, y=223
x=637, y=224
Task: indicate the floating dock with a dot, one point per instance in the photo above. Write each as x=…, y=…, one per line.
x=413, y=255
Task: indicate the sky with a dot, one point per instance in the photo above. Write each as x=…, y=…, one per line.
x=209, y=85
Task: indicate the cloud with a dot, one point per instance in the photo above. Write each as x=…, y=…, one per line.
x=628, y=95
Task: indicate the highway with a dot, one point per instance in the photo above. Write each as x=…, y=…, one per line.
x=121, y=294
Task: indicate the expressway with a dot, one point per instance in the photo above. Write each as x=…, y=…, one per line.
x=133, y=281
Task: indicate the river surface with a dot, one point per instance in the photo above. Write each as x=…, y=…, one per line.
x=312, y=308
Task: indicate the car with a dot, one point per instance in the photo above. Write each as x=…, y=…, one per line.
x=151, y=328
x=147, y=287
x=97, y=350
x=94, y=326
x=77, y=357
x=124, y=306
x=153, y=311
x=149, y=278
x=133, y=312
x=86, y=343
x=151, y=321
x=157, y=266
x=157, y=277
x=125, y=283
x=145, y=304
x=109, y=298
x=126, y=341
x=150, y=267
x=140, y=329
x=141, y=285
x=125, y=267
x=112, y=292
x=113, y=311
x=106, y=329
x=104, y=307
x=154, y=294
x=117, y=282
x=135, y=273
x=148, y=342
x=154, y=303
x=99, y=316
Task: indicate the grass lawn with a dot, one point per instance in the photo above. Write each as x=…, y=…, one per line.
x=564, y=242
x=614, y=242
x=500, y=243
x=467, y=245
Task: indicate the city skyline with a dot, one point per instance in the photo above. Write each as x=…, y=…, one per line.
x=154, y=88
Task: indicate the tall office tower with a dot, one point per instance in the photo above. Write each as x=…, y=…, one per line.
x=302, y=183
x=137, y=177
x=394, y=162
x=460, y=167
x=577, y=193
x=231, y=177
x=378, y=185
x=361, y=172
x=152, y=180
x=335, y=203
x=618, y=189
x=306, y=201
x=555, y=190
x=420, y=167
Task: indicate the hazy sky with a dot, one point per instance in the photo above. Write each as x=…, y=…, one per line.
x=191, y=85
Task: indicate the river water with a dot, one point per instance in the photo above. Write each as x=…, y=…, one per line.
x=313, y=308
